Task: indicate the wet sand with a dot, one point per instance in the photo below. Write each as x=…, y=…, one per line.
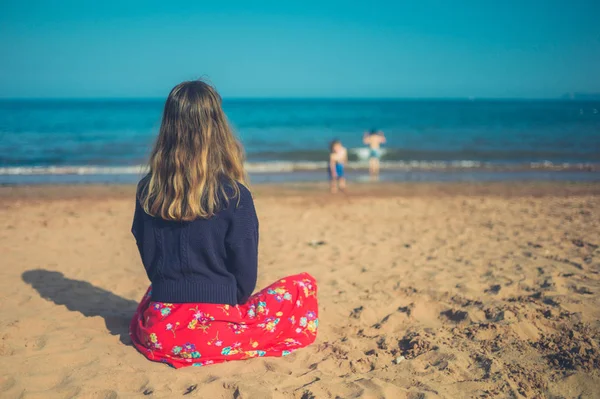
x=426, y=291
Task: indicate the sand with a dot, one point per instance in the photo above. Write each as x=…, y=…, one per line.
x=426, y=291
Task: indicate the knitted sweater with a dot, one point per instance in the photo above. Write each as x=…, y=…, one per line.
x=206, y=260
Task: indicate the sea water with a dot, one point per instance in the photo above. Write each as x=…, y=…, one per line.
x=287, y=139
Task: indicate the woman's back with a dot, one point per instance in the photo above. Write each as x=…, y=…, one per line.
x=199, y=260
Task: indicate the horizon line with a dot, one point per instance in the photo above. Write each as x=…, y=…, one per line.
x=294, y=98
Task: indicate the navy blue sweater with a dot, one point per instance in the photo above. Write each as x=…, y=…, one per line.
x=206, y=260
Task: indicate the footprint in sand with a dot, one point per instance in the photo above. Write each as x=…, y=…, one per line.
x=442, y=361
x=190, y=389
x=494, y=289
x=355, y=314
x=40, y=343
x=381, y=343
x=211, y=378
x=455, y=316
x=581, y=290
x=307, y=395
x=6, y=350
x=275, y=367
x=413, y=345
x=378, y=325
x=485, y=364
x=7, y=383
x=108, y=395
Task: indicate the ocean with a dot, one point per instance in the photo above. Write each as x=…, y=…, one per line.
x=70, y=141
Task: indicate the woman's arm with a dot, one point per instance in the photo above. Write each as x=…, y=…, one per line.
x=242, y=245
x=137, y=227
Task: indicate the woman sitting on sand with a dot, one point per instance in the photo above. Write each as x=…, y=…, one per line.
x=197, y=233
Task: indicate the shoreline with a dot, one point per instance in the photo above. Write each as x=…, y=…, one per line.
x=360, y=164
x=353, y=175
x=320, y=190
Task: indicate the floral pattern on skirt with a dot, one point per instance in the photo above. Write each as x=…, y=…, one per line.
x=274, y=322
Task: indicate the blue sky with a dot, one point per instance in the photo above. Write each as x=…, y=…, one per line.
x=300, y=49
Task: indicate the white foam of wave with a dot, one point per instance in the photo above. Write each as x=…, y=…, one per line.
x=363, y=153
x=286, y=166
x=73, y=170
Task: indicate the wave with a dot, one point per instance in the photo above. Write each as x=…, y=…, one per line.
x=408, y=155
x=301, y=158
x=287, y=166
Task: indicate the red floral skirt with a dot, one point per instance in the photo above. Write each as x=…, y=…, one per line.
x=274, y=322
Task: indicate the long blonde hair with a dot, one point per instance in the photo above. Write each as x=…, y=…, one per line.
x=195, y=157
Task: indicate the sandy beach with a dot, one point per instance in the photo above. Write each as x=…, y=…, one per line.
x=426, y=291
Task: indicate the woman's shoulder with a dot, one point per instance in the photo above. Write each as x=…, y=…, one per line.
x=239, y=201
x=237, y=193
x=142, y=186
x=233, y=188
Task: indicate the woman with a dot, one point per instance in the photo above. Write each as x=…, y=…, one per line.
x=197, y=233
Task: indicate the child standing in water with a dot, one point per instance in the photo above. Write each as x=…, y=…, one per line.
x=338, y=157
x=197, y=233
x=374, y=139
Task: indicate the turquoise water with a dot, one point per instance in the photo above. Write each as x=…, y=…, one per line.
x=113, y=137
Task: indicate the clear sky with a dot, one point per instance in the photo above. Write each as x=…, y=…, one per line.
x=396, y=48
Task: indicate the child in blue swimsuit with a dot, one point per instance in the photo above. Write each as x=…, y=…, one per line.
x=338, y=156
x=374, y=139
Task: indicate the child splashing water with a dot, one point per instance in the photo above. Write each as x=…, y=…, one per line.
x=338, y=157
x=197, y=233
